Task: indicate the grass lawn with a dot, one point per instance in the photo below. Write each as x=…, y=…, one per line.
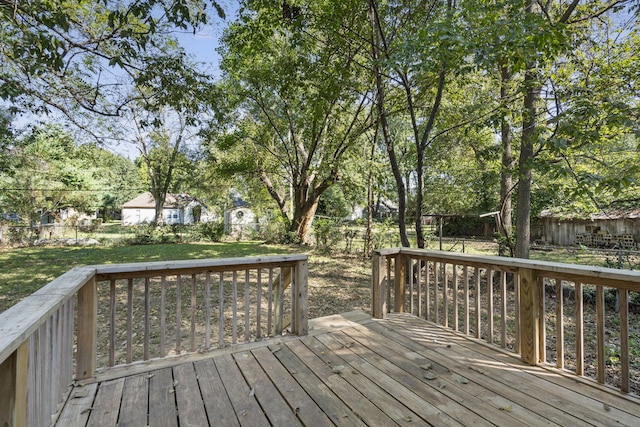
x=345, y=277
x=25, y=270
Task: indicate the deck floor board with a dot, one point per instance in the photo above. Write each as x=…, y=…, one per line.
x=351, y=371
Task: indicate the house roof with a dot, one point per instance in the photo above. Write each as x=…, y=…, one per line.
x=146, y=201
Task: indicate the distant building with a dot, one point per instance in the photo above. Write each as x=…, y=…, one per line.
x=619, y=228
x=240, y=220
x=177, y=209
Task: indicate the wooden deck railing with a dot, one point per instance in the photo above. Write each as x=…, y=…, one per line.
x=533, y=308
x=118, y=314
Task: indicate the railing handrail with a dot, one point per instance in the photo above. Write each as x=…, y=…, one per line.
x=50, y=338
x=445, y=283
x=116, y=271
x=598, y=275
x=18, y=322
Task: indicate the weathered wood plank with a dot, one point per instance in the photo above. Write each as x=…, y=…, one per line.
x=244, y=404
x=359, y=404
x=216, y=401
x=77, y=408
x=87, y=330
x=135, y=396
x=297, y=398
x=445, y=400
x=594, y=405
x=337, y=411
x=106, y=406
x=162, y=401
x=498, y=395
x=271, y=402
x=188, y=398
x=385, y=399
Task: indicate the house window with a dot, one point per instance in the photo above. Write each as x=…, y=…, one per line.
x=175, y=216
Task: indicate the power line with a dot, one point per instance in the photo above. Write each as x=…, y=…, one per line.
x=70, y=190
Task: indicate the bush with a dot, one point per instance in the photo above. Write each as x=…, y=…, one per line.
x=327, y=233
x=276, y=231
x=211, y=231
x=147, y=234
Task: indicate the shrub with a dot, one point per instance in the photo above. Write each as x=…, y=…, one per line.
x=327, y=233
x=212, y=231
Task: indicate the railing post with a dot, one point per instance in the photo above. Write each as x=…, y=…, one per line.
x=399, y=279
x=14, y=383
x=87, y=330
x=379, y=286
x=300, y=318
x=529, y=316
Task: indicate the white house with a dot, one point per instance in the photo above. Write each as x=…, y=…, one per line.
x=177, y=209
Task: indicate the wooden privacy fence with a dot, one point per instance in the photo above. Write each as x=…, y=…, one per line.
x=106, y=315
x=549, y=313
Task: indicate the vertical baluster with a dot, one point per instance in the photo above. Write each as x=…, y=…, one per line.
x=445, y=295
x=579, y=320
x=234, y=304
x=542, y=321
x=270, y=302
x=600, y=332
x=477, y=302
x=129, y=320
x=259, y=304
x=193, y=312
x=503, y=309
x=389, y=285
x=624, y=340
x=559, y=325
x=207, y=296
x=410, y=273
x=436, y=272
x=454, y=287
x=281, y=303
x=465, y=280
x=221, y=311
x=112, y=322
x=419, y=282
x=147, y=318
x=178, y=314
x=516, y=293
x=247, y=307
x=489, y=274
x=427, y=292
x=163, y=316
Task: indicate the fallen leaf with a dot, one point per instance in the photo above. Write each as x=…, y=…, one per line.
x=430, y=375
x=252, y=392
x=426, y=366
x=442, y=384
x=506, y=408
x=463, y=380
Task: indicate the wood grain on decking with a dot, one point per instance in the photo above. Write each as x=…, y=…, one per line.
x=351, y=371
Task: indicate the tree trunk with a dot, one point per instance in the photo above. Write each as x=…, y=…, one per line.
x=303, y=218
x=505, y=223
x=525, y=163
x=382, y=117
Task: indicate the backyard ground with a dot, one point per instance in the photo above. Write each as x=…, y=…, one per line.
x=338, y=281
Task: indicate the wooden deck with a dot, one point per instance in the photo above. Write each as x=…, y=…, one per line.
x=350, y=371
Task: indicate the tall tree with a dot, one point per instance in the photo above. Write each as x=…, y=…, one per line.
x=82, y=58
x=302, y=98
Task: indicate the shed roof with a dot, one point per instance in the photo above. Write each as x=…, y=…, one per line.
x=612, y=214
